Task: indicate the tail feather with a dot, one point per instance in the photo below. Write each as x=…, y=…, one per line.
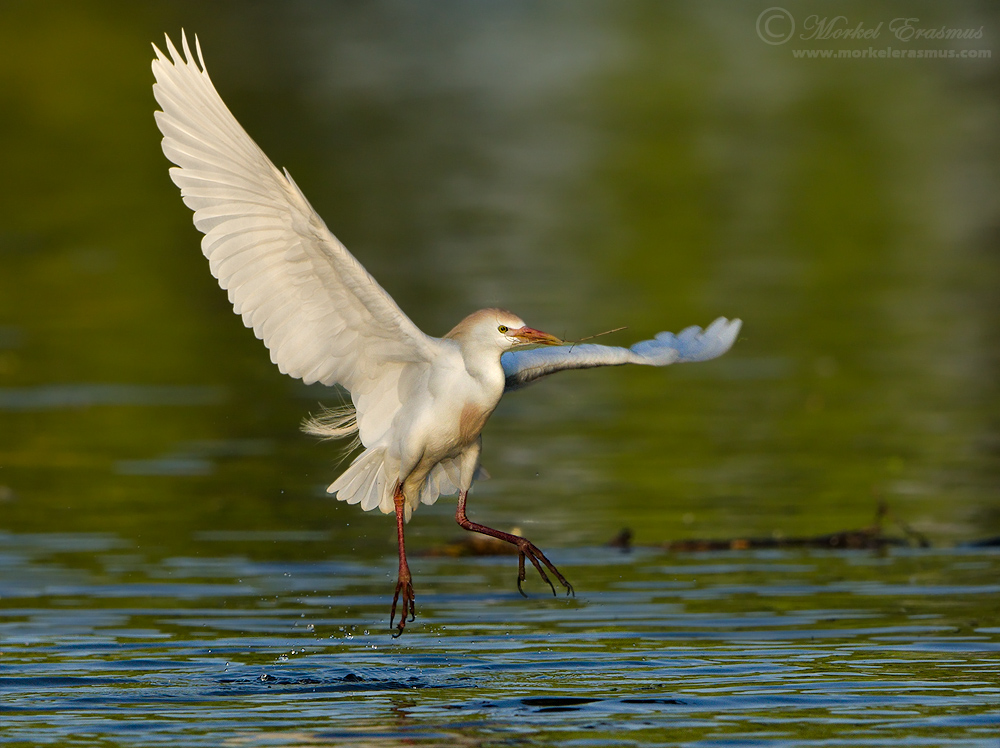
x=438, y=482
x=378, y=492
x=371, y=480
x=366, y=482
x=340, y=422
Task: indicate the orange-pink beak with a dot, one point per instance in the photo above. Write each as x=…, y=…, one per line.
x=531, y=336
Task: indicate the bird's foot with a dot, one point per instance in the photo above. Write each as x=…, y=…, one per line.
x=527, y=549
x=405, y=587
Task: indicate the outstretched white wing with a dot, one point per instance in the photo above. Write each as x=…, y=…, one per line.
x=319, y=312
x=691, y=344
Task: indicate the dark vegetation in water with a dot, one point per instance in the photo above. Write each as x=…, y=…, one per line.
x=872, y=537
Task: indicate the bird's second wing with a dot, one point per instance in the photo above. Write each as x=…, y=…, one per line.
x=691, y=344
x=319, y=312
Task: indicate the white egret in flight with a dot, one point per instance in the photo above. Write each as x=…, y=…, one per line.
x=418, y=403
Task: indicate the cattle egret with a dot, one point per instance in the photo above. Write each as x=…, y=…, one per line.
x=418, y=403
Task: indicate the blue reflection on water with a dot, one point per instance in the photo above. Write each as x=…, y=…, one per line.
x=59, y=396
x=204, y=647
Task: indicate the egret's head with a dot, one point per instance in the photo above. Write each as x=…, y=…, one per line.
x=513, y=332
x=500, y=329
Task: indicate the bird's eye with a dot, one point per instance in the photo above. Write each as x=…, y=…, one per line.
x=503, y=329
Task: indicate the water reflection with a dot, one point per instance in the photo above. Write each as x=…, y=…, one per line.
x=796, y=641
x=67, y=396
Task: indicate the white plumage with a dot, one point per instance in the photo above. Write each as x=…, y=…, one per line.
x=418, y=403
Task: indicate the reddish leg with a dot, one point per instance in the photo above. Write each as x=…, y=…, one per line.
x=404, y=584
x=523, y=545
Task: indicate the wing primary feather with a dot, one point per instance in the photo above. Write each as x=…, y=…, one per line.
x=320, y=313
x=691, y=344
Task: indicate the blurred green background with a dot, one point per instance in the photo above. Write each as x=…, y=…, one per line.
x=587, y=165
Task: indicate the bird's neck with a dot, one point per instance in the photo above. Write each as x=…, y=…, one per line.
x=484, y=365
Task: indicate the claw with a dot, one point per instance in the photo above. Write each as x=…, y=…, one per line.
x=520, y=574
x=524, y=547
x=409, y=606
x=528, y=549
